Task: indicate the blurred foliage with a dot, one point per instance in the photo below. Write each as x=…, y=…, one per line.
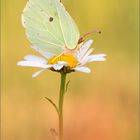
x=105, y=102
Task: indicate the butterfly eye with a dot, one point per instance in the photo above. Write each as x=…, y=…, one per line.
x=51, y=19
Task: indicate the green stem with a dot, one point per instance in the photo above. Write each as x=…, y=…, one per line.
x=61, y=99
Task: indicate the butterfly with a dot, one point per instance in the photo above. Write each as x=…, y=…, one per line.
x=49, y=26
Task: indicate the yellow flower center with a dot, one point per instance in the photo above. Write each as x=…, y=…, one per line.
x=70, y=59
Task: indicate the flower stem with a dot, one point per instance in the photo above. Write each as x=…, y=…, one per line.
x=61, y=99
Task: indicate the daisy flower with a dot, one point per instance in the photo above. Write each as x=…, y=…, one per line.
x=64, y=62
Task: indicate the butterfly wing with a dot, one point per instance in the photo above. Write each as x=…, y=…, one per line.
x=68, y=27
x=49, y=26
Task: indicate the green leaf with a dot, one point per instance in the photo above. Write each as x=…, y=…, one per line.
x=54, y=105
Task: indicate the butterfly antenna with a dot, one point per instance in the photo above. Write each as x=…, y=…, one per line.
x=87, y=34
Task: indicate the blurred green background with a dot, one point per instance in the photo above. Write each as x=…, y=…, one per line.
x=102, y=105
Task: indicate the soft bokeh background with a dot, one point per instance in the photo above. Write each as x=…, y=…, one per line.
x=102, y=105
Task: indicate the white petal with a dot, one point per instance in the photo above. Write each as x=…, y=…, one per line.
x=82, y=69
x=35, y=58
x=85, y=59
x=38, y=72
x=45, y=54
x=33, y=64
x=87, y=54
x=84, y=48
x=100, y=55
x=77, y=55
x=58, y=66
x=97, y=57
x=63, y=63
